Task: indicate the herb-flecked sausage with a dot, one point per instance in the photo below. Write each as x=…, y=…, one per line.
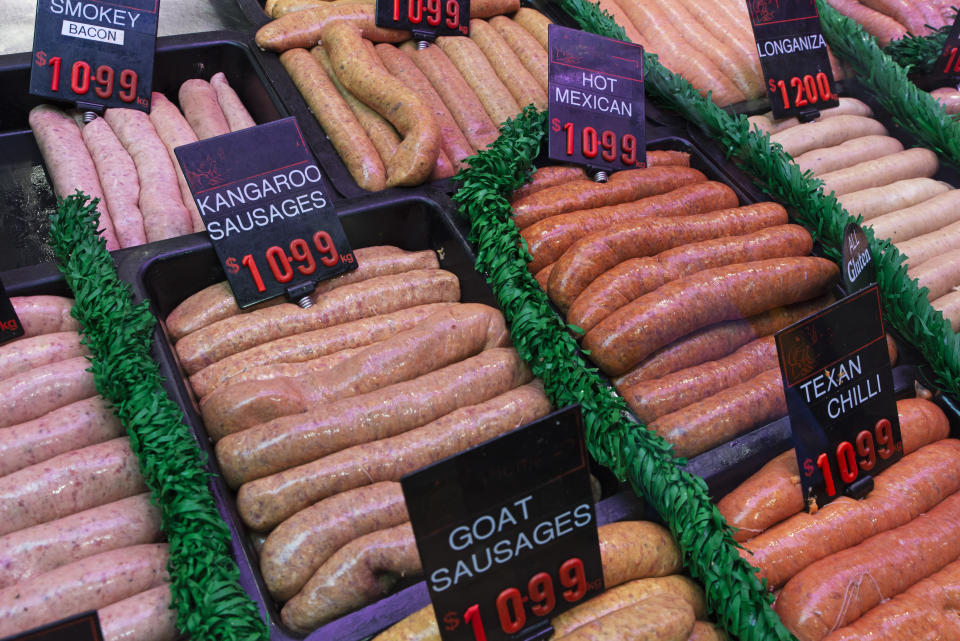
x=33, y=393
x=144, y=617
x=27, y=353
x=44, y=314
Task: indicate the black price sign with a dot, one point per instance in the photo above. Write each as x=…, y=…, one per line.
x=95, y=51
x=859, y=270
x=80, y=627
x=267, y=209
x=595, y=88
x=948, y=65
x=793, y=55
x=839, y=390
x=10, y=326
x=507, y=531
x=427, y=19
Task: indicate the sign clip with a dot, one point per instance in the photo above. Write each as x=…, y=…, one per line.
x=90, y=111
x=300, y=294
x=860, y=488
x=809, y=115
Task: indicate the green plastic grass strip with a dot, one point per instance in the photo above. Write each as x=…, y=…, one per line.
x=210, y=604
x=919, y=54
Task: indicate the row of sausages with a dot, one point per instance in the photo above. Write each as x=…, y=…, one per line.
x=78, y=529
x=400, y=115
x=126, y=158
x=318, y=413
x=677, y=289
x=889, y=20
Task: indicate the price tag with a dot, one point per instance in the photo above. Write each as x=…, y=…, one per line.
x=10, y=326
x=793, y=55
x=80, y=627
x=95, y=51
x=839, y=390
x=595, y=88
x=948, y=65
x=427, y=19
x=507, y=532
x=267, y=209
x=859, y=270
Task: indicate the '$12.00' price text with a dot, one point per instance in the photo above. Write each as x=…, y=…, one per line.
x=511, y=613
x=604, y=143
x=864, y=445
x=808, y=90
x=103, y=80
x=281, y=264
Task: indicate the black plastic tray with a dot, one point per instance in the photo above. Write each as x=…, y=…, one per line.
x=25, y=192
x=167, y=274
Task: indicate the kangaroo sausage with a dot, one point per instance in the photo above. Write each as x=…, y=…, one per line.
x=43, y=389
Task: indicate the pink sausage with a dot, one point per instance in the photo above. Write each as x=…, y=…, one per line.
x=200, y=106
x=237, y=115
x=118, y=176
x=175, y=131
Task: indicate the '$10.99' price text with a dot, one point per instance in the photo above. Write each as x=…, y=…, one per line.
x=103, y=80
x=808, y=90
x=604, y=143
x=865, y=446
x=431, y=14
x=541, y=592
x=281, y=264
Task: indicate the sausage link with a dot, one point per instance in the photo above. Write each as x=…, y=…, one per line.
x=25, y=354
x=662, y=617
x=450, y=335
x=380, y=295
x=299, y=441
x=43, y=389
x=233, y=110
x=705, y=424
x=703, y=631
x=884, y=28
x=175, y=131
x=518, y=81
x=534, y=22
x=311, y=346
x=198, y=100
x=41, y=548
x=525, y=46
x=68, y=162
x=44, y=315
x=490, y=8
x=710, y=296
x=68, y=428
x=69, y=483
x=469, y=60
x=635, y=277
x=143, y=617
x=549, y=176
x=302, y=543
x=89, y=584
x=304, y=29
x=594, y=254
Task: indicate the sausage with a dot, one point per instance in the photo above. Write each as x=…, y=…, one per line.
x=359, y=572
x=534, y=22
x=164, y=214
x=312, y=345
x=525, y=46
x=380, y=295
x=68, y=162
x=877, y=201
x=621, y=18
x=543, y=276
x=25, y=354
x=44, y=315
x=677, y=587
x=391, y=458
x=303, y=542
x=143, y=617
x=828, y=132
x=490, y=8
x=724, y=26
x=656, y=398
x=89, y=584
x=283, y=7
x=716, y=419
x=623, y=186
x=464, y=105
x=272, y=448
x=70, y=427
x=303, y=29
x=848, y=153
x=548, y=239
x=43, y=389
x=717, y=341
x=912, y=15
x=703, y=631
x=836, y=590
x=233, y=110
x=198, y=100
x=902, y=165
x=41, y=548
x=912, y=486
x=847, y=107
x=339, y=123
x=635, y=277
x=949, y=99
x=549, y=176
x=118, y=178
x=884, y=28
x=453, y=142
x=318, y=367
x=175, y=131
x=594, y=254
x=469, y=60
x=216, y=302
x=661, y=617
x=927, y=217
x=505, y=62
x=69, y=483
x=636, y=550
x=450, y=335
x=710, y=296
x=419, y=626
